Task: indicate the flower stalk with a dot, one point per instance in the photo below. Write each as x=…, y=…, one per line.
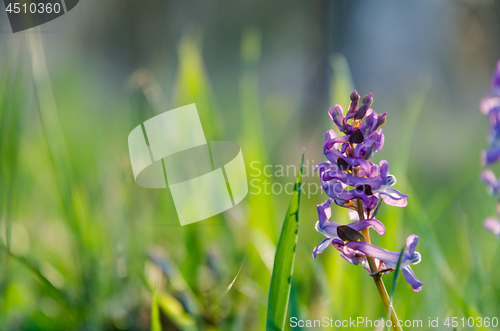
x=377, y=278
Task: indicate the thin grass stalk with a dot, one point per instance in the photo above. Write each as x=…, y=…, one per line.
x=10, y=124
x=65, y=177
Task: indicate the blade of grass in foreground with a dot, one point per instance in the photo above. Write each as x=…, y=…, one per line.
x=171, y=307
x=468, y=306
x=395, y=281
x=284, y=259
x=155, y=314
x=11, y=88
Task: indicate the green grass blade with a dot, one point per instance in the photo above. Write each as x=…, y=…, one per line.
x=34, y=268
x=155, y=314
x=253, y=135
x=193, y=84
x=284, y=259
x=396, y=275
x=172, y=308
x=394, y=218
x=441, y=264
x=11, y=108
x=395, y=281
x=342, y=84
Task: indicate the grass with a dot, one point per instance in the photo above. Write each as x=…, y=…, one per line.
x=284, y=259
x=85, y=248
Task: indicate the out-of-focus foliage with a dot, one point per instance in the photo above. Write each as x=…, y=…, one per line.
x=84, y=248
x=284, y=259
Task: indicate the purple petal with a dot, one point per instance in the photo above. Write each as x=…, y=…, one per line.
x=354, y=181
x=491, y=156
x=384, y=255
x=372, y=202
x=396, y=203
x=354, y=102
x=412, y=279
x=361, y=225
x=393, y=193
x=329, y=229
x=333, y=154
x=346, y=253
x=361, y=113
x=411, y=243
x=380, y=121
x=336, y=190
x=341, y=139
x=393, y=197
x=338, y=244
x=489, y=103
x=337, y=115
x=489, y=178
x=381, y=141
x=361, y=149
x=324, y=212
x=369, y=122
x=384, y=169
x=493, y=225
x=330, y=135
x=353, y=215
x=343, y=147
x=322, y=166
x=332, y=138
x=374, y=170
x=495, y=80
x=321, y=247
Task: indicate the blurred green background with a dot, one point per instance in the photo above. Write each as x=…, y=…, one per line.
x=84, y=248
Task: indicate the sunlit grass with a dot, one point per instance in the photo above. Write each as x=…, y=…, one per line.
x=84, y=247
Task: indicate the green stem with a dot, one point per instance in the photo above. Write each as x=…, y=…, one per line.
x=377, y=278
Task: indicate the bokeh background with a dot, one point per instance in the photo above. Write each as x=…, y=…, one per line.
x=84, y=248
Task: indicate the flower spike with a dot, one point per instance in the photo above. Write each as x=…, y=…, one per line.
x=350, y=180
x=490, y=106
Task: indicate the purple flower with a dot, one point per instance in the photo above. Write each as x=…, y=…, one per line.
x=490, y=179
x=329, y=228
x=490, y=105
x=372, y=144
x=492, y=154
x=352, y=181
x=376, y=181
x=362, y=138
x=349, y=175
x=493, y=225
x=390, y=259
x=495, y=80
x=337, y=191
x=352, y=256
